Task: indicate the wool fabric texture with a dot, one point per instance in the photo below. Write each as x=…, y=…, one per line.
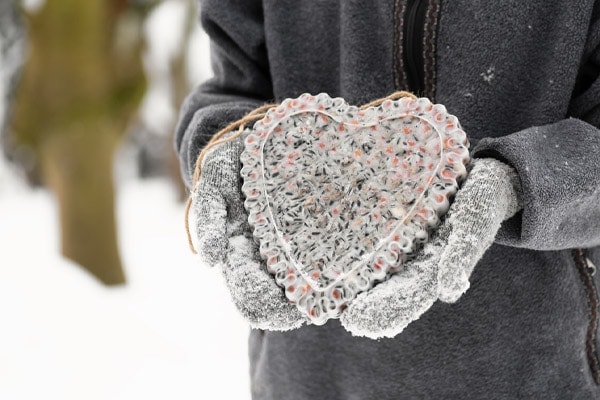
x=441, y=270
x=522, y=77
x=223, y=237
x=218, y=204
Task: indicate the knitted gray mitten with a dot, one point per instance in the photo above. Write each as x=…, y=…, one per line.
x=441, y=270
x=222, y=235
x=256, y=295
x=491, y=195
x=217, y=205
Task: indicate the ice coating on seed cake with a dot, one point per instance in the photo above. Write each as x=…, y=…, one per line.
x=339, y=197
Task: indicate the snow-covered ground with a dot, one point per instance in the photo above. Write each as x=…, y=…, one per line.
x=170, y=333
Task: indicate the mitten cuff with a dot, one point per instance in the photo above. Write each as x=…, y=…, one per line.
x=221, y=165
x=560, y=175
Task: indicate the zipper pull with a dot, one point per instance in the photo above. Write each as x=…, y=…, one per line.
x=590, y=266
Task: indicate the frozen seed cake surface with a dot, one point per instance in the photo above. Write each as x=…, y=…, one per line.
x=339, y=197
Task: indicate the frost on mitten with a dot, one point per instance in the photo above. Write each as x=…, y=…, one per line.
x=339, y=196
x=217, y=204
x=442, y=268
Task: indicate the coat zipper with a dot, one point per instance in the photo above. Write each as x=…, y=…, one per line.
x=413, y=37
x=587, y=270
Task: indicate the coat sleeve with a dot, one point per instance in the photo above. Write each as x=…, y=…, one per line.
x=559, y=168
x=241, y=81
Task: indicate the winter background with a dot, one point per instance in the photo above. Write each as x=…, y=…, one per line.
x=171, y=332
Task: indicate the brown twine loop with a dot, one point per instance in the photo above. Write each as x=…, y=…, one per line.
x=393, y=96
x=254, y=115
x=216, y=140
x=240, y=125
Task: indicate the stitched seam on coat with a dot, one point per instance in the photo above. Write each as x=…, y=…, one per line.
x=592, y=297
x=429, y=47
x=400, y=80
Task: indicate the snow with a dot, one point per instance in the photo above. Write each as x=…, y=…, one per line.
x=164, y=32
x=33, y=6
x=9, y=181
x=198, y=66
x=171, y=332
x=488, y=75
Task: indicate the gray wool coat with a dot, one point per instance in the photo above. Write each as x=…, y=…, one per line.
x=522, y=77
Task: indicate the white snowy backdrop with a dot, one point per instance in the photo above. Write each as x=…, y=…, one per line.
x=170, y=333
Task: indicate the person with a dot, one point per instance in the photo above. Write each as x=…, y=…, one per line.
x=523, y=80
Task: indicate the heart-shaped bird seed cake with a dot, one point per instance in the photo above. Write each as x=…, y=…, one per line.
x=339, y=197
